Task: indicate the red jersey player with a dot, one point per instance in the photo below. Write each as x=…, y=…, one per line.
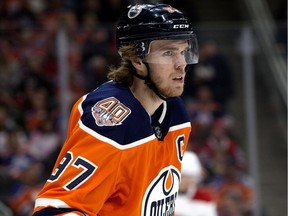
x=126, y=139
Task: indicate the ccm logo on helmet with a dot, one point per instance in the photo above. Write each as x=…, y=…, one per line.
x=180, y=26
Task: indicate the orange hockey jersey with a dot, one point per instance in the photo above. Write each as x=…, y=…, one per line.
x=117, y=160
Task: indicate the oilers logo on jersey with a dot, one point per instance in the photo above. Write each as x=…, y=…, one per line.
x=161, y=194
x=109, y=112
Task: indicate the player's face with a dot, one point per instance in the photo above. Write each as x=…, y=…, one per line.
x=167, y=64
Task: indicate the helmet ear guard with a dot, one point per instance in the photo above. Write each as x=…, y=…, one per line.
x=141, y=48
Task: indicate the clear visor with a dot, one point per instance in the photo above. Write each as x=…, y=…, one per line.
x=173, y=51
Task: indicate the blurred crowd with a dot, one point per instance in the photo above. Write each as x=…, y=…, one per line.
x=223, y=179
x=30, y=135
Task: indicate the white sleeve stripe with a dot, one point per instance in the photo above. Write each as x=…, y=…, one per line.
x=112, y=142
x=181, y=126
x=56, y=203
x=51, y=202
x=71, y=214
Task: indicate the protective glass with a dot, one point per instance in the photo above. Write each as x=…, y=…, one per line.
x=173, y=51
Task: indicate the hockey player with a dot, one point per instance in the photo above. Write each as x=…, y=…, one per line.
x=126, y=139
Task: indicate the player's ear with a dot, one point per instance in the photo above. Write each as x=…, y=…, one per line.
x=139, y=65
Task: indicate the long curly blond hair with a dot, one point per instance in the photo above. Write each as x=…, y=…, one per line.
x=124, y=73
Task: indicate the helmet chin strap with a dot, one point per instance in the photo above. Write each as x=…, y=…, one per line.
x=151, y=84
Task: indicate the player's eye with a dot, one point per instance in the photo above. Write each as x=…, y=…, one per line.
x=185, y=51
x=168, y=53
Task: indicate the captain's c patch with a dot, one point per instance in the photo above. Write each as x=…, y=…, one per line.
x=109, y=112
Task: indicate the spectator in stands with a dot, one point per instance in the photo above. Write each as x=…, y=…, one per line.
x=9, y=67
x=84, y=9
x=95, y=54
x=212, y=70
x=21, y=198
x=233, y=193
x=95, y=72
x=193, y=198
x=44, y=140
x=6, y=122
x=219, y=147
x=36, y=114
x=33, y=79
x=13, y=154
x=203, y=109
x=19, y=172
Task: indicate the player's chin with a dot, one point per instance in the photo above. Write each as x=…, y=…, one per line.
x=179, y=90
x=176, y=92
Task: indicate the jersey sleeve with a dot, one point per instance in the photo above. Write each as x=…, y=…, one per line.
x=84, y=175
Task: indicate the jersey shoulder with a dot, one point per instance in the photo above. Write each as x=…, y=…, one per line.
x=113, y=112
x=177, y=109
